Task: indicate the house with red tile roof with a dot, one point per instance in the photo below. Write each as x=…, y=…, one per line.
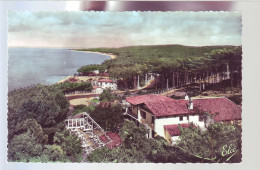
x=159, y=112
x=107, y=83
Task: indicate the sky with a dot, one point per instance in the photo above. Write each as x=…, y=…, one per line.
x=79, y=29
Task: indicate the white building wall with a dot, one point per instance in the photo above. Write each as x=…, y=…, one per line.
x=99, y=90
x=195, y=120
x=96, y=71
x=112, y=86
x=161, y=122
x=139, y=117
x=175, y=139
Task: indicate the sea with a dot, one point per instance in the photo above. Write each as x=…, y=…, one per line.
x=31, y=66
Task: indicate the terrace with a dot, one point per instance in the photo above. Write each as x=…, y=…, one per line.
x=88, y=131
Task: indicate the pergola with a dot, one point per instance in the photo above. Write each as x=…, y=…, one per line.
x=83, y=124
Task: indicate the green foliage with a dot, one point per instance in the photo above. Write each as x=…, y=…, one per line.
x=140, y=59
x=130, y=151
x=211, y=145
x=91, y=68
x=35, y=114
x=103, y=154
x=136, y=148
x=83, y=108
x=24, y=146
x=70, y=144
x=46, y=104
x=53, y=153
x=34, y=128
x=132, y=135
x=95, y=101
x=167, y=60
x=195, y=146
x=108, y=118
x=236, y=99
x=106, y=95
x=68, y=87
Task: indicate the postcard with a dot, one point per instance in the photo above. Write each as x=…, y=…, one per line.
x=124, y=87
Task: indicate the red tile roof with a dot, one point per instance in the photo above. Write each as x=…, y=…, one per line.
x=105, y=80
x=173, y=130
x=147, y=98
x=159, y=105
x=96, y=87
x=168, y=108
x=116, y=140
x=222, y=108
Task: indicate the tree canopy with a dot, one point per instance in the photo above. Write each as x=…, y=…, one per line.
x=135, y=148
x=107, y=96
x=35, y=122
x=91, y=68
x=68, y=87
x=179, y=64
x=220, y=143
x=109, y=118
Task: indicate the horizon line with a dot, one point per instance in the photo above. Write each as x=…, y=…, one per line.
x=120, y=46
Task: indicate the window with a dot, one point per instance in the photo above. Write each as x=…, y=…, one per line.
x=181, y=118
x=143, y=114
x=152, y=120
x=201, y=118
x=188, y=118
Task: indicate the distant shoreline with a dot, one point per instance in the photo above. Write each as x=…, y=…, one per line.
x=112, y=56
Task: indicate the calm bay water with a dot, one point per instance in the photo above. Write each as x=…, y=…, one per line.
x=29, y=66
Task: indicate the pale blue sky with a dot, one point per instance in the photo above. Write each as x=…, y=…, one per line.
x=116, y=29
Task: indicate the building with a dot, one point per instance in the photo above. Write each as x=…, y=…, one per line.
x=162, y=115
x=97, y=90
x=172, y=132
x=106, y=83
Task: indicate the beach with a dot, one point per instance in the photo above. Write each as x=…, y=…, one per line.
x=81, y=78
x=112, y=56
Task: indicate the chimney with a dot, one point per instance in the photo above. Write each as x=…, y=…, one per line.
x=190, y=104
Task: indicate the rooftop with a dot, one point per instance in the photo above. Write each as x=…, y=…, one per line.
x=136, y=100
x=168, y=108
x=173, y=130
x=116, y=140
x=160, y=106
x=105, y=80
x=222, y=108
